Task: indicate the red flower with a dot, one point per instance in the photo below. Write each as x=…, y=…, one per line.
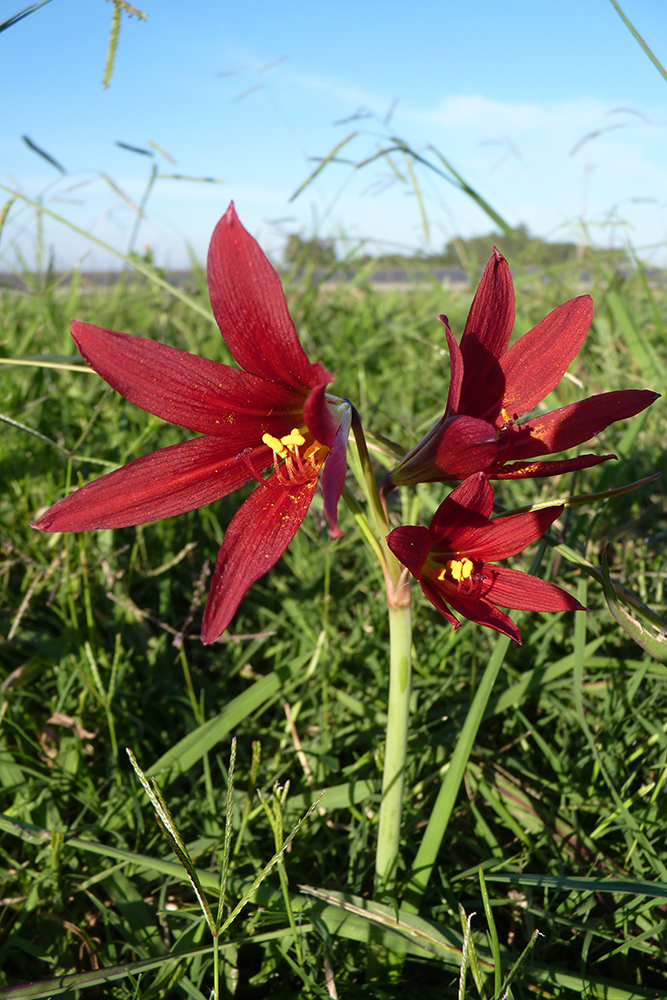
x=273, y=410
x=492, y=385
x=451, y=559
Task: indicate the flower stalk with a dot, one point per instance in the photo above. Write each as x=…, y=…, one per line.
x=395, y=753
x=399, y=601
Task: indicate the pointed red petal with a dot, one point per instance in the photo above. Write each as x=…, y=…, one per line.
x=491, y=315
x=187, y=390
x=318, y=416
x=536, y=470
x=467, y=508
x=249, y=306
x=513, y=589
x=455, y=371
x=484, y=613
x=485, y=339
x=332, y=479
x=562, y=429
x=411, y=544
x=504, y=536
x=431, y=591
x=165, y=482
x=258, y=535
x=539, y=359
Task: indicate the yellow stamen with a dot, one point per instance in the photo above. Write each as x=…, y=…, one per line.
x=294, y=439
x=457, y=569
x=275, y=444
x=295, y=464
x=283, y=446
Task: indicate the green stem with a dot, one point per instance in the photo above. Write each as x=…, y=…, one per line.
x=399, y=597
x=216, y=965
x=389, y=831
x=629, y=25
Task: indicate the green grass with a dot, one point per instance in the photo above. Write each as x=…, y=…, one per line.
x=563, y=800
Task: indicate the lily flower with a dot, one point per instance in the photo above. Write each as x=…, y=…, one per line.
x=452, y=559
x=273, y=410
x=492, y=385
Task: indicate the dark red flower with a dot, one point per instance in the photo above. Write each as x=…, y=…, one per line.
x=272, y=411
x=452, y=559
x=492, y=385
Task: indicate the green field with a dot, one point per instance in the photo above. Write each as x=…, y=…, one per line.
x=556, y=840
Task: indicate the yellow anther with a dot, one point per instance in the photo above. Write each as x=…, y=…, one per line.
x=316, y=451
x=283, y=446
x=275, y=444
x=457, y=569
x=294, y=439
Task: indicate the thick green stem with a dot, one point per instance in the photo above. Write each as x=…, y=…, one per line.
x=389, y=832
x=399, y=598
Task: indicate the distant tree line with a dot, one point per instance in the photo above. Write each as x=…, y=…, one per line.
x=313, y=252
x=518, y=246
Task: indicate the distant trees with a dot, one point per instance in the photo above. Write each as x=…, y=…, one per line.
x=519, y=247
x=311, y=253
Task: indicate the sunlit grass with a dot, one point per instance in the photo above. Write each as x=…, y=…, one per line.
x=100, y=651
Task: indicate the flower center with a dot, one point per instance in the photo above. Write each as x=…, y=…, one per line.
x=292, y=464
x=458, y=570
x=462, y=573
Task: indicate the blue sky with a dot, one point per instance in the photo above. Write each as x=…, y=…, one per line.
x=550, y=110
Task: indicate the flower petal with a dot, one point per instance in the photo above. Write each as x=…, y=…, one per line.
x=478, y=611
x=455, y=371
x=467, y=445
x=318, y=416
x=257, y=536
x=411, y=544
x=536, y=363
x=163, y=483
x=332, y=479
x=466, y=509
x=485, y=339
x=431, y=591
x=249, y=306
x=187, y=390
x=454, y=448
x=491, y=315
x=503, y=536
x=534, y=470
x=570, y=425
x=513, y=589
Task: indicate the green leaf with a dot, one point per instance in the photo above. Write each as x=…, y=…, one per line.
x=655, y=644
x=21, y=14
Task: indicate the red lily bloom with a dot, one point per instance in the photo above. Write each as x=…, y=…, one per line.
x=273, y=410
x=492, y=385
x=451, y=559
